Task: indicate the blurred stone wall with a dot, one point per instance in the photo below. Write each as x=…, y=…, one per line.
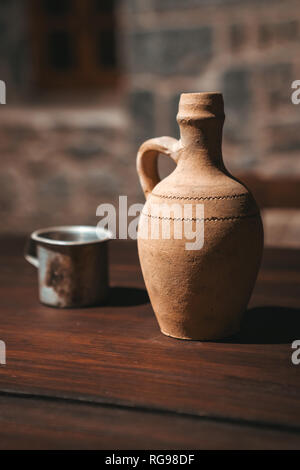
x=59, y=162
x=61, y=155
x=247, y=49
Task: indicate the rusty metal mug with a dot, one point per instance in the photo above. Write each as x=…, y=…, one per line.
x=72, y=264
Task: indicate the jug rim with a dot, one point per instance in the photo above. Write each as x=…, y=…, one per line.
x=201, y=93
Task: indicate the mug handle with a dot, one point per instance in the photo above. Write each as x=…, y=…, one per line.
x=147, y=158
x=30, y=252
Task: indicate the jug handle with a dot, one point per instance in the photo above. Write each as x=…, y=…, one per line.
x=30, y=252
x=147, y=159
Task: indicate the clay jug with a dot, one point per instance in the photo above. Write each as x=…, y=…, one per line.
x=197, y=294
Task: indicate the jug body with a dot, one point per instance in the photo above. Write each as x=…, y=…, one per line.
x=199, y=287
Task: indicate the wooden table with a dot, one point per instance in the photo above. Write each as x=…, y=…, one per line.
x=105, y=377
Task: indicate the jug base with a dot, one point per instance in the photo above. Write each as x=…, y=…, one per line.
x=203, y=338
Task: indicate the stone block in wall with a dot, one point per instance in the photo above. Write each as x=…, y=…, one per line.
x=236, y=89
x=237, y=36
x=235, y=85
x=103, y=182
x=284, y=138
x=169, y=52
x=278, y=32
x=142, y=108
x=276, y=82
x=159, y=5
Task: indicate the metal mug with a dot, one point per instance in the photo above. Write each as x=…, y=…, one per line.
x=72, y=264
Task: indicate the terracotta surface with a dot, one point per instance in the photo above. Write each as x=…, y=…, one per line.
x=198, y=294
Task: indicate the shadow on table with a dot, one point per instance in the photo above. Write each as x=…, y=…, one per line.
x=127, y=296
x=268, y=325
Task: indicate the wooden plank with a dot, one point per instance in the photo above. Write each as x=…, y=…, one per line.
x=27, y=423
x=116, y=354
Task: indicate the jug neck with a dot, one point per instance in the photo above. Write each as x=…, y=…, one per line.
x=201, y=118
